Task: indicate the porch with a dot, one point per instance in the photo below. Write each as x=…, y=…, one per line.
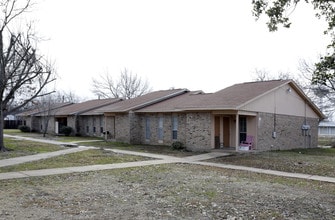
x=232, y=128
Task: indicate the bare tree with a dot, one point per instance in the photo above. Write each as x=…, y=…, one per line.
x=66, y=96
x=264, y=75
x=127, y=86
x=23, y=72
x=261, y=75
x=321, y=95
x=45, y=105
x=48, y=105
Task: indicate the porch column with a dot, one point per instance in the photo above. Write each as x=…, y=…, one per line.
x=221, y=132
x=237, y=132
x=105, y=127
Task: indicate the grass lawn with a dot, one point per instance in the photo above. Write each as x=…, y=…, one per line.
x=60, y=138
x=83, y=158
x=316, y=161
x=17, y=148
x=166, y=150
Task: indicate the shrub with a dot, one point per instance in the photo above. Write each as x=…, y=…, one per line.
x=177, y=145
x=66, y=130
x=24, y=128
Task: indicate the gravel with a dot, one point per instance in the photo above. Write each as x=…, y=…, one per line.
x=171, y=191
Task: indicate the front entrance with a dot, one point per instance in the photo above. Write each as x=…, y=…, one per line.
x=222, y=132
x=59, y=123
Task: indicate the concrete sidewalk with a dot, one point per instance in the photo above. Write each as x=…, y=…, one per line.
x=36, y=140
x=268, y=172
x=35, y=157
x=158, y=159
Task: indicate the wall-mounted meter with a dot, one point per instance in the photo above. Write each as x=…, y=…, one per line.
x=306, y=130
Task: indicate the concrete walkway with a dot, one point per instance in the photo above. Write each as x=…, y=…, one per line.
x=38, y=140
x=35, y=157
x=268, y=172
x=157, y=159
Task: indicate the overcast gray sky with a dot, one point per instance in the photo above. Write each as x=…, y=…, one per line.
x=196, y=44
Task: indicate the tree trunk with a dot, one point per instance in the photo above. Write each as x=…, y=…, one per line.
x=2, y=146
x=46, y=124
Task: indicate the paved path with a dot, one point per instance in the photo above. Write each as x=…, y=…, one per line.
x=269, y=172
x=37, y=140
x=35, y=157
x=157, y=159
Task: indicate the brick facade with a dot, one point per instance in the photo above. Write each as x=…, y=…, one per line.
x=194, y=130
x=87, y=125
x=198, y=131
x=122, y=128
x=289, y=134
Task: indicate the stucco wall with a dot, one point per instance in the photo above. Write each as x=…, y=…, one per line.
x=288, y=130
x=284, y=100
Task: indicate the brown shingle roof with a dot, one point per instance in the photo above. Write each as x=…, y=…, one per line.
x=239, y=94
x=143, y=101
x=80, y=108
x=177, y=103
x=229, y=98
x=72, y=109
x=40, y=110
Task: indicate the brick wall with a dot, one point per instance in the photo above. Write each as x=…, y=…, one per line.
x=154, y=130
x=138, y=129
x=288, y=132
x=37, y=124
x=194, y=130
x=87, y=125
x=122, y=128
x=198, y=131
x=110, y=127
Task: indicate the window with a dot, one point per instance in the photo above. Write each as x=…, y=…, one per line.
x=174, y=127
x=243, y=128
x=94, y=121
x=323, y=130
x=101, y=122
x=147, y=128
x=327, y=130
x=87, y=129
x=160, y=128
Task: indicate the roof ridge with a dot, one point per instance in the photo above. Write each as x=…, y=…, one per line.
x=265, y=81
x=113, y=100
x=154, y=101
